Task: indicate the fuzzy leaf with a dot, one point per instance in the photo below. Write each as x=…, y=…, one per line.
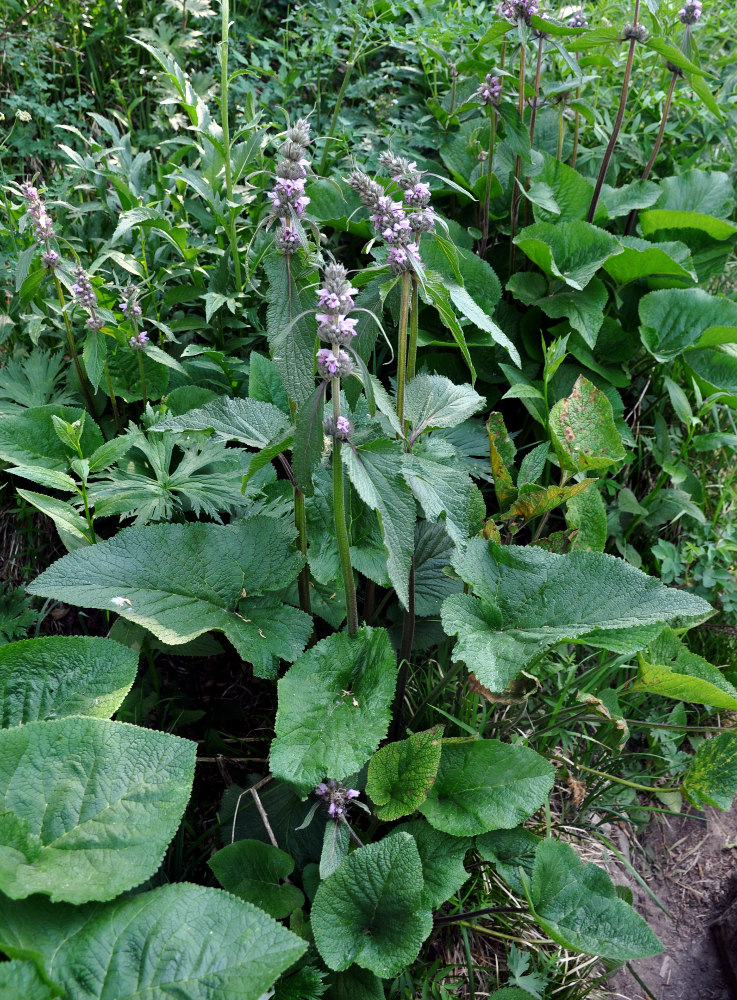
x=572, y=251
x=28, y=438
x=87, y=806
x=674, y=319
x=587, y=514
x=254, y=871
x=442, y=860
x=669, y=668
x=583, y=431
x=442, y=492
x=711, y=779
x=434, y=401
x=401, y=774
x=291, y=291
x=309, y=439
x=250, y=421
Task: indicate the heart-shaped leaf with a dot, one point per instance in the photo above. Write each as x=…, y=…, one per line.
x=255, y=871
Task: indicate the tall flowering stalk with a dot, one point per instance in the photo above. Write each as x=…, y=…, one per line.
x=130, y=308
x=490, y=94
x=85, y=295
x=337, y=329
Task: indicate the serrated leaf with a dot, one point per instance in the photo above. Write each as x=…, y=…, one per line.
x=577, y=905
x=441, y=857
x=255, y=871
x=28, y=438
x=382, y=927
x=87, y=806
x=61, y=513
x=334, y=707
x=432, y=401
x=178, y=939
x=583, y=431
x=584, y=308
x=59, y=675
x=508, y=851
x=587, y=514
x=669, y=668
x=355, y=984
x=309, y=438
x=401, y=774
x=433, y=552
x=533, y=464
x=291, y=291
x=711, y=779
x=181, y=580
x=442, y=492
x=125, y=375
x=674, y=319
x=572, y=251
x=641, y=259
x=250, y=421
x=335, y=844
x=486, y=785
x=527, y=600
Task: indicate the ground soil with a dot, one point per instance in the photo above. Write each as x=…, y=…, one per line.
x=690, y=863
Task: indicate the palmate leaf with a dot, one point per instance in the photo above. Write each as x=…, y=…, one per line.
x=177, y=940
x=370, y=911
x=87, y=806
x=63, y=675
x=34, y=381
x=180, y=580
x=527, y=600
x=578, y=906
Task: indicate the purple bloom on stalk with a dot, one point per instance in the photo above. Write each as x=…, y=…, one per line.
x=578, y=20
x=490, y=91
x=690, y=12
x=337, y=797
x=518, y=10
x=82, y=289
x=50, y=260
x=334, y=325
x=43, y=224
x=139, y=341
x=288, y=199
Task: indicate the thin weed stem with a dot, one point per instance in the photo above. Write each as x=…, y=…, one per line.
x=656, y=148
x=489, y=176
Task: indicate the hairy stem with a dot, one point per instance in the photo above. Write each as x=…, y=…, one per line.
x=142, y=373
x=341, y=530
x=402, y=345
x=113, y=400
x=656, y=148
x=489, y=175
x=300, y=522
x=412, y=354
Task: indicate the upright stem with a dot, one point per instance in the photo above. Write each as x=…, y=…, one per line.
x=111, y=391
x=225, y=31
x=576, y=126
x=518, y=164
x=489, y=175
x=402, y=345
x=72, y=349
x=341, y=531
x=350, y=63
x=533, y=112
x=412, y=355
x=617, y=123
x=142, y=373
x=656, y=148
x=300, y=522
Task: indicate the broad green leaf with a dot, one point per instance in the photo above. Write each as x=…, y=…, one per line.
x=265, y=383
x=715, y=371
x=355, y=984
x=508, y=851
x=578, y=906
x=711, y=779
x=673, y=54
x=61, y=513
x=335, y=845
x=442, y=492
x=583, y=309
x=674, y=319
x=512, y=993
x=533, y=464
x=570, y=189
x=370, y=910
x=87, y=806
x=587, y=514
x=175, y=941
x=572, y=251
x=442, y=858
x=291, y=335
x=180, y=580
x=375, y=470
x=28, y=438
x=583, y=431
x=309, y=439
x=537, y=500
x=60, y=675
x=641, y=259
x=22, y=981
x=125, y=375
x=434, y=401
x=502, y=452
x=527, y=600
x=657, y=219
x=433, y=552
x=709, y=191
x=669, y=668
x=255, y=871
x=486, y=785
x=250, y=421
x=630, y=197
x=334, y=708
x=401, y=774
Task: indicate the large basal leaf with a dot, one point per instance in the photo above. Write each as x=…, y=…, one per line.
x=508, y=851
x=583, y=431
x=433, y=552
x=251, y=421
x=255, y=871
x=486, y=785
x=442, y=858
x=87, y=806
x=577, y=905
x=670, y=669
x=707, y=191
x=572, y=250
x=22, y=981
x=63, y=675
x=711, y=779
x=183, y=941
x=641, y=259
x=584, y=309
x=715, y=371
x=526, y=600
x=180, y=580
x=370, y=910
x=125, y=374
x=434, y=401
x=375, y=470
x=291, y=293
x=401, y=774
x=674, y=319
x=29, y=439
x=674, y=220
x=334, y=707
x=355, y=984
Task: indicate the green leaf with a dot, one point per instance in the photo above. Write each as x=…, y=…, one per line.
x=442, y=858
x=536, y=500
x=673, y=54
x=486, y=785
x=22, y=981
x=527, y=600
x=335, y=844
x=433, y=552
x=709, y=191
x=375, y=469
x=442, y=492
x=432, y=401
x=715, y=371
x=94, y=353
x=401, y=774
x=711, y=779
x=508, y=851
x=587, y=514
x=669, y=668
x=640, y=259
x=125, y=375
x=583, y=431
x=573, y=251
x=674, y=319
x=181, y=580
x=583, y=309
x=381, y=926
x=577, y=905
x=502, y=452
x=657, y=219
x=250, y=421
x=571, y=191
x=440, y=297
x=63, y=675
x=291, y=336
x=177, y=940
x=334, y=707
x=29, y=439
x=265, y=383
x=628, y=198
x=355, y=984
x=255, y=871
x=533, y=464
x=61, y=513
x=87, y=806
x=309, y=439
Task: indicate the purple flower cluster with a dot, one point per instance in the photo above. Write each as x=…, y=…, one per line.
x=490, y=91
x=139, y=340
x=342, y=428
x=690, y=12
x=288, y=199
x=331, y=365
x=337, y=797
x=43, y=224
x=84, y=293
x=334, y=302
x=578, y=20
x=518, y=10
x=128, y=304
